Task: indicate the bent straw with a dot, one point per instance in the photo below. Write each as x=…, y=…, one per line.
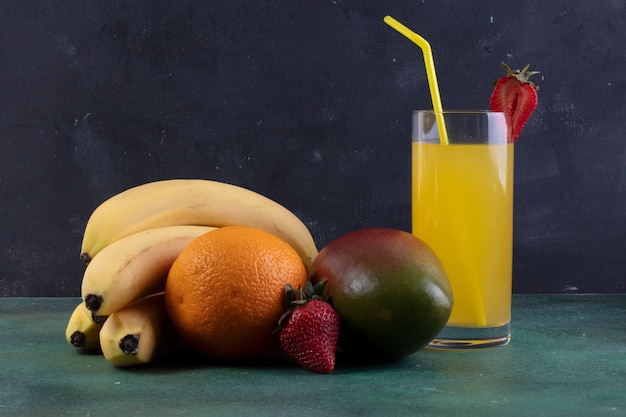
x=430, y=73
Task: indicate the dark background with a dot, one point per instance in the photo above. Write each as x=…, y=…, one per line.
x=309, y=103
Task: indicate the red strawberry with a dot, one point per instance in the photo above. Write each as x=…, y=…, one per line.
x=516, y=96
x=310, y=333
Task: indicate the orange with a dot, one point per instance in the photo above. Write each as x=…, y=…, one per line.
x=226, y=291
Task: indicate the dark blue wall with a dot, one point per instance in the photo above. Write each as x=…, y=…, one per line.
x=309, y=103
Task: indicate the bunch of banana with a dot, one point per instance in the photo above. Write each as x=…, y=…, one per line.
x=131, y=241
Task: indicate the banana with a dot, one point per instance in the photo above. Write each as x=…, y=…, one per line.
x=83, y=329
x=134, y=267
x=139, y=333
x=194, y=202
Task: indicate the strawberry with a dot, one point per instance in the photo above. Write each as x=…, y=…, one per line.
x=309, y=329
x=516, y=96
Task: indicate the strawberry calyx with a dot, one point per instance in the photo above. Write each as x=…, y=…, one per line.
x=522, y=75
x=298, y=297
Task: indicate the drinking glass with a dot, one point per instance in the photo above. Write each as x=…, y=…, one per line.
x=463, y=209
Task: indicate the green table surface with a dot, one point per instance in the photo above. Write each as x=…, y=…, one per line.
x=567, y=357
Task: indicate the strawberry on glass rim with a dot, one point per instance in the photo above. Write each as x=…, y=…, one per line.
x=516, y=96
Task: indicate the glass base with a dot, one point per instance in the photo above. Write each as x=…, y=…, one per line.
x=468, y=338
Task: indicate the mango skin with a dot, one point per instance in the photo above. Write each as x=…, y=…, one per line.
x=389, y=289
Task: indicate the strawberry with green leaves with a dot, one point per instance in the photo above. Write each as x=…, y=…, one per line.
x=309, y=329
x=516, y=96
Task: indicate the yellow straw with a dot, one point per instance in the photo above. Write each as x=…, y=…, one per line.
x=443, y=134
x=430, y=73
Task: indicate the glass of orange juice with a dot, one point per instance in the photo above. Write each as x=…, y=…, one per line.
x=463, y=209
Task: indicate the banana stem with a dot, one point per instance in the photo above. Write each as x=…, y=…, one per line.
x=93, y=302
x=78, y=339
x=130, y=344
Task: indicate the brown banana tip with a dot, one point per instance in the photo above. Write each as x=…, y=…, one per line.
x=130, y=344
x=78, y=339
x=98, y=319
x=85, y=257
x=93, y=302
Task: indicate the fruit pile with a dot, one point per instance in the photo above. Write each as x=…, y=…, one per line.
x=231, y=274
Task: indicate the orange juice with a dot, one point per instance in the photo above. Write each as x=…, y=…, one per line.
x=463, y=209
